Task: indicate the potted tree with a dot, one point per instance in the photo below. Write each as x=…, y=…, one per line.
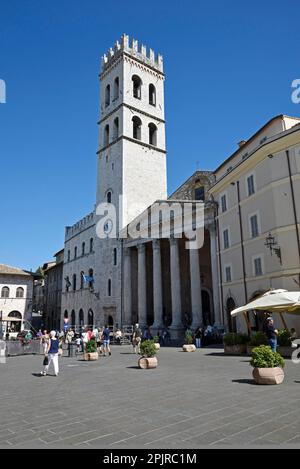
x=189, y=342
x=91, y=353
x=147, y=352
x=256, y=339
x=268, y=365
x=235, y=343
x=284, y=342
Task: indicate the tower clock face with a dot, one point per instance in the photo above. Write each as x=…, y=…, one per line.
x=108, y=227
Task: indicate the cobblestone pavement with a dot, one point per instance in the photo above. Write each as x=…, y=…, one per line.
x=190, y=400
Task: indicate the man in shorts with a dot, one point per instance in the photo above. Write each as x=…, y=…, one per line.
x=105, y=337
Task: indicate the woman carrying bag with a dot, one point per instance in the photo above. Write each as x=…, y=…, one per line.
x=51, y=355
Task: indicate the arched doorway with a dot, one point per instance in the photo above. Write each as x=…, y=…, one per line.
x=230, y=306
x=73, y=318
x=14, y=324
x=110, y=321
x=90, y=318
x=206, y=308
x=81, y=318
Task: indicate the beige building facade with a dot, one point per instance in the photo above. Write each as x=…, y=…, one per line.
x=257, y=191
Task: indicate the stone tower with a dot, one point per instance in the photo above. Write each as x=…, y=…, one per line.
x=132, y=149
x=132, y=155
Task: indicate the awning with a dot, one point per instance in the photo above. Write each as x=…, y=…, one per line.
x=275, y=301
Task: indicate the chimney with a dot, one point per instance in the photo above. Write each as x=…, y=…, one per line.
x=242, y=143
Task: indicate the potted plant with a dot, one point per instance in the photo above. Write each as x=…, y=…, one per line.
x=148, y=352
x=189, y=342
x=90, y=352
x=268, y=365
x=284, y=342
x=256, y=339
x=156, y=342
x=235, y=343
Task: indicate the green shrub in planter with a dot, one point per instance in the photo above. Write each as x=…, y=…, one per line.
x=188, y=337
x=91, y=346
x=284, y=338
x=258, y=338
x=148, y=349
x=233, y=338
x=263, y=357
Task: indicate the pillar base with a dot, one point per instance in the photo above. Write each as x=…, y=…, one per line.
x=177, y=332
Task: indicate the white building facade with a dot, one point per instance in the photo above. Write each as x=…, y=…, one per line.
x=16, y=292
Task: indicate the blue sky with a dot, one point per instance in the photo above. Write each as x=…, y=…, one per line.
x=229, y=67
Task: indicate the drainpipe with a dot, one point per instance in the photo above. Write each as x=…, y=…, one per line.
x=294, y=206
x=220, y=262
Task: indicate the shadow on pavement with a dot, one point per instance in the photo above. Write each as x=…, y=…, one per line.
x=134, y=367
x=244, y=381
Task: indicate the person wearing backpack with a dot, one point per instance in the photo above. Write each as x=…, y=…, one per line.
x=52, y=355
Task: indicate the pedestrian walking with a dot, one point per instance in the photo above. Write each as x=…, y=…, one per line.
x=45, y=342
x=271, y=333
x=105, y=337
x=136, y=338
x=52, y=355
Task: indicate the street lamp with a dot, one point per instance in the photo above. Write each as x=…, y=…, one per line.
x=271, y=244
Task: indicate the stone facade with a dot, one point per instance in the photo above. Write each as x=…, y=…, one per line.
x=53, y=292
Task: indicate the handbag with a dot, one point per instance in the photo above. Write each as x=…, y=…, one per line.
x=46, y=361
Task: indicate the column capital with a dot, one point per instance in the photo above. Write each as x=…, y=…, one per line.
x=156, y=244
x=141, y=248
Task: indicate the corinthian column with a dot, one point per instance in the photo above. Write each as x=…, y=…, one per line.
x=142, y=286
x=127, y=320
x=157, y=286
x=175, y=286
x=195, y=288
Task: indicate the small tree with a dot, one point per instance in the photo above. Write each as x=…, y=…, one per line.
x=91, y=346
x=263, y=357
x=189, y=338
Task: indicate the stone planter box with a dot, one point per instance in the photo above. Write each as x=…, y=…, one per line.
x=268, y=375
x=148, y=362
x=285, y=351
x=235, y=349
x=91, y=356
x=189, y=348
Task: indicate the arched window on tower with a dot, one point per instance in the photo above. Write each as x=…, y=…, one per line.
x=75, y=252
x=109, y=287
x=5, y=292
x=108, y=197
x=20, y=292
x=73, y=319
x=116, y=128
x=74, y=282
x=106, y=136
x=116, y=88
x=152, y=95
x=152, y=134
x=137, y=128
x=83, y=249
x=107, y=96
x=115, y=256
x=81, y=280
x=137, y=87
x=91, y=245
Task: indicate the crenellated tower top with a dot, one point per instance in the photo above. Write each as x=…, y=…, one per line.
x=133, y=49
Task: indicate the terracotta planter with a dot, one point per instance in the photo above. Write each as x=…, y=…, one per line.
x=147, y=362
x=91, y=356
x=268, y=375
x=285, y=352
x=157, y=345
x=189, y=348
x=235, y=349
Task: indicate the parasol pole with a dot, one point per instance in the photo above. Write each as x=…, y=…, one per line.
x=247, y=322
x=283, y=322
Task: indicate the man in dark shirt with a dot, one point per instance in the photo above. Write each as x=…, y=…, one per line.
x=271, y=333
